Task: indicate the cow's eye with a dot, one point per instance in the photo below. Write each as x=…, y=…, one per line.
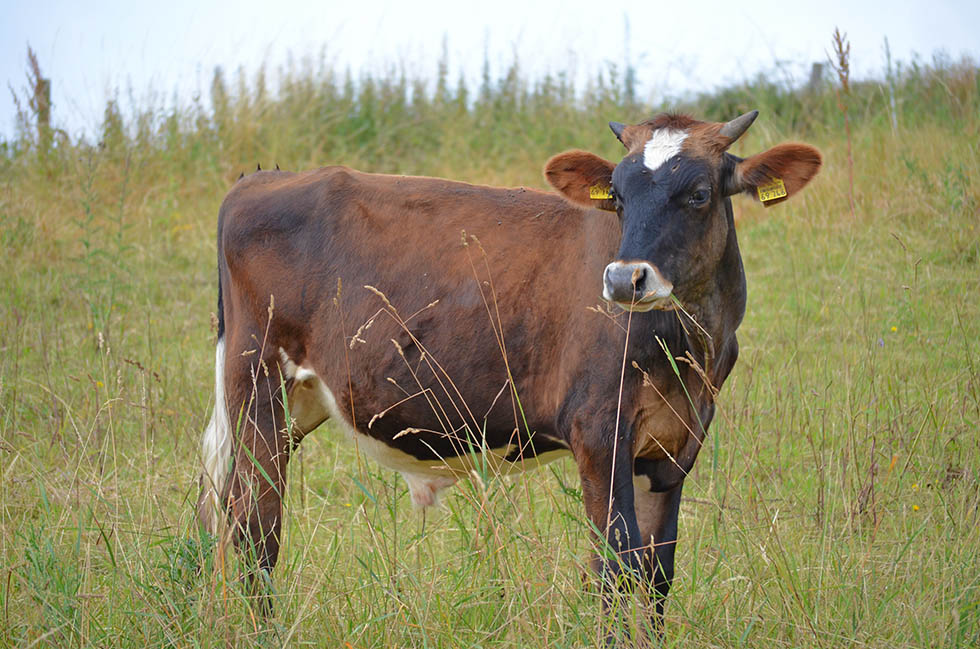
x=699, y=197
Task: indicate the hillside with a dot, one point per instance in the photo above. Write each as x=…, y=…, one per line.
x=837, y=501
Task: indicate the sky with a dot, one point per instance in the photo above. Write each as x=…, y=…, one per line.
x=161, y=53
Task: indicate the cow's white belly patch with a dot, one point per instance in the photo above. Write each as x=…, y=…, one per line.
x=311, y=401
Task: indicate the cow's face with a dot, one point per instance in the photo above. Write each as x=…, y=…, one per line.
x=671, y=192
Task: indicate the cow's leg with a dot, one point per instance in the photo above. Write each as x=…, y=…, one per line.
x=261, y=451
x=606, y=470
x=656, y=514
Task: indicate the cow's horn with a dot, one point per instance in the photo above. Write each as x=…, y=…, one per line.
x=617, y=130
x=735, y=128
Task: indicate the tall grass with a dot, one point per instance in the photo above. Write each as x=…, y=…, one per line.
x=836, y=500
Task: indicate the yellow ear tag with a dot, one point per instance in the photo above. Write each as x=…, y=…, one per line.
x=772, y=191
x=598, y=192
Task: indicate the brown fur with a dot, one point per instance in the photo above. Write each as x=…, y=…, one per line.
x=489, y=296
x=574, y=172
x=796, y=164
x=635, y=136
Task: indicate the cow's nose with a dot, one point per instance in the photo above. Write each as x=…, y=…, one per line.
x=629, y=282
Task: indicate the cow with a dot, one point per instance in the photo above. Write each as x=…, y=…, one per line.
x=443, y=325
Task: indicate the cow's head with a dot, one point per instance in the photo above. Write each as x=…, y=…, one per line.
x=671, y=192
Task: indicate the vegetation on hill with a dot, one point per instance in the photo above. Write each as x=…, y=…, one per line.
x=836, y=503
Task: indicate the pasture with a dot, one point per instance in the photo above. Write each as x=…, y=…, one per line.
x=836, y=504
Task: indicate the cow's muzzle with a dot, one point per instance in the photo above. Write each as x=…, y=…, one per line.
x=636, y=286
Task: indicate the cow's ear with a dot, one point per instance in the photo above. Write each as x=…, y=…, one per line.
x=774, y=175
x=583, y=178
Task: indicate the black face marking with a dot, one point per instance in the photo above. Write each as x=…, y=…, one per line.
x=663, y=211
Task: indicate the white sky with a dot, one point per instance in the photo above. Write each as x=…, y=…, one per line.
x=91, y=50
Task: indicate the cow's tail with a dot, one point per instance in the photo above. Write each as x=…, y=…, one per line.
x=216, y=446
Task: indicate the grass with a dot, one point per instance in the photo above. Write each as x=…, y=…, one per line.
x=835, y=504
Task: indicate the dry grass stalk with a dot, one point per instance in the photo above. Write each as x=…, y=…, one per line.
x=841, y=63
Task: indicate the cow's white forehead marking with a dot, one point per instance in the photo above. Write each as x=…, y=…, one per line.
x=663, y=145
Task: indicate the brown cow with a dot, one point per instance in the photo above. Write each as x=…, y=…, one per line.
x=435, y=321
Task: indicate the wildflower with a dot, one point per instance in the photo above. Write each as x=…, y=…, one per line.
x=894, y=329
x=915, y=508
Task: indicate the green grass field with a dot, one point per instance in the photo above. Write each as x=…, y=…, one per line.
x=837, y=502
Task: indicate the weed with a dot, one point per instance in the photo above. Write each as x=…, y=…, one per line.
x=842, y=65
